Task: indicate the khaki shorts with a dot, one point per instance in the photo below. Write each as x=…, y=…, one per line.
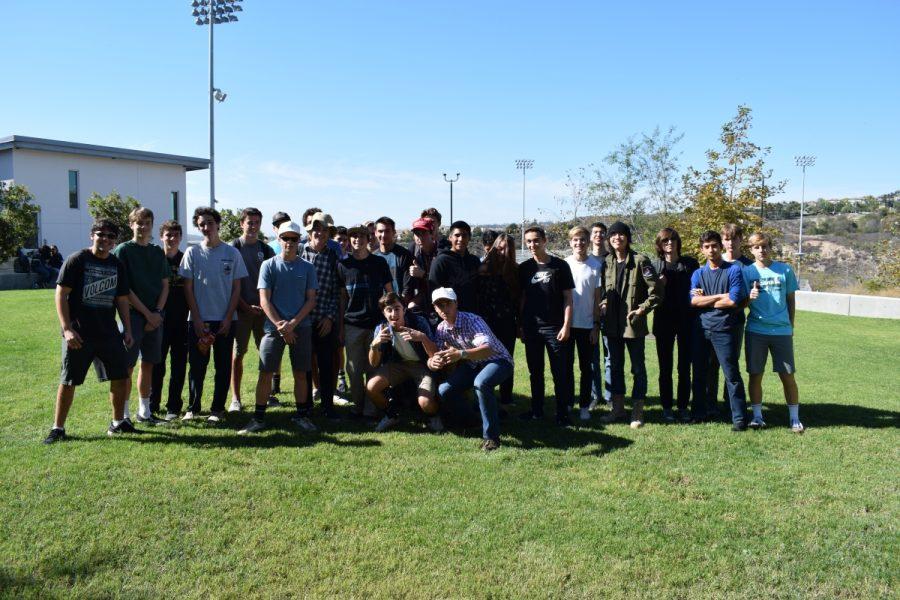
x=246, y=324
x=398, y=372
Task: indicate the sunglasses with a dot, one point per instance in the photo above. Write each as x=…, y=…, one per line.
x=105, y=236
x=290, y=239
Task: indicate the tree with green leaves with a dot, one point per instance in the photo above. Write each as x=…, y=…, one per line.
x=733, y=186
x=18, y=219
x=115, y=208
x=230, y=229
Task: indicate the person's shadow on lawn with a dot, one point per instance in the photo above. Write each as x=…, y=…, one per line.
x=833, y=415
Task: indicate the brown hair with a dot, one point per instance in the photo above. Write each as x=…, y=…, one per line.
x=731, y=231
x=503, y=263
x=141, y=212
x=170, y=225
x=387, y=299
x=250, y=212
x=667, y=233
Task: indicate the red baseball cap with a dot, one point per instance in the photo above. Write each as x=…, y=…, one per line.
x=425, y=223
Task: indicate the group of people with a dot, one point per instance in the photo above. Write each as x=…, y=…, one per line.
x=45, y=262
x=430, y=327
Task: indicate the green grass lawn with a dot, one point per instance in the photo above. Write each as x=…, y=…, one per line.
x=665, y=511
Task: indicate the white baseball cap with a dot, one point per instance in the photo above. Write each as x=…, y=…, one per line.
x=289, y=226
x=443, y=293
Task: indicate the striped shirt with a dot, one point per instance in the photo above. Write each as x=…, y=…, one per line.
x=470, y=331
x=325, y=263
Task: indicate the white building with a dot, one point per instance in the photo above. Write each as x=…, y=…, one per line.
x=62, y=176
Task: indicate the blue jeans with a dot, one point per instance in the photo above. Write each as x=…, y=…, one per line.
x=638, y=368
x=725, y=346
x=596, y=378
x=483, y=377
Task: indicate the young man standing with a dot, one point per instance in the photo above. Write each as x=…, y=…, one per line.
x=424, y=252
x=212, y=272
x=456, y=268
x=440, y=242
x=478, y=359
x=148, y=281
x=546, y=308
x=364, y=278
x=250, y=314
x=770, y=328
x=601, y=375
x=277, y=219
x=633, y=290
x=175, y=334
x=399, y=259
x=717, y=291
x=326, y=316
x=587, y=275
x=287, y=291
x=92, y=286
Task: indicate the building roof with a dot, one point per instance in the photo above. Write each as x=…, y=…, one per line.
x=15, y=142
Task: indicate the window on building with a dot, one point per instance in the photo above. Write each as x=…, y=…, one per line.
x=73, y=189
x=175, y=205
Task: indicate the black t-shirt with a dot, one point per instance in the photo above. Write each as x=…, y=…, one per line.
x=95, y=284
x=364, y=281
x=176, y=304
x=620, y=276
x=543, y=286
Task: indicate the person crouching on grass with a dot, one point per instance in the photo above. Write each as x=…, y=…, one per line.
x=478, y=359
x=770, y=328
x=287, y=293
x=91, y=288
x=399, y=352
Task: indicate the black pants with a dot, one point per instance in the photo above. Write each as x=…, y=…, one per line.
x=174, y=339
x=221, y=351
x=560, y=353
x=585, y=349
x=323, y=349
x=666, y=337
x=505, y=330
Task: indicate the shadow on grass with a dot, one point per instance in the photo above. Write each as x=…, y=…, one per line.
x=54, y=570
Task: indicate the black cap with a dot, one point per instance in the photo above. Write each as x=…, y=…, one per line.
x=619, y=227
x=279, y=218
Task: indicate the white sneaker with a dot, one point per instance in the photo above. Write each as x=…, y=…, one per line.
x=797, y=427
x=593, y=405
x=386, y=423
x=316, y=394
x=235, y=405
x=436, y=424
x=214, y=417
x=252, y=427
x=170, y=417
x=585, y=414
x=339, y=401
x=304, y=423
x=637, y=424
x=189, y=416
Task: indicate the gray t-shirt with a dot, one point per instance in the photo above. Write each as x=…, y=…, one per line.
x=253, y=255
x=213, y=270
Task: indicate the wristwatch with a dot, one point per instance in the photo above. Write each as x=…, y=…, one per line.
x=463, y=354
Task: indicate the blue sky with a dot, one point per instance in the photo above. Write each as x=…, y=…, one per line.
x=359, y=107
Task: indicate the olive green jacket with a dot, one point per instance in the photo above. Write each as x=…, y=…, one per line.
x=642, y=288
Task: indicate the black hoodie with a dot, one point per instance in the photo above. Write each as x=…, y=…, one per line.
x=457, y=271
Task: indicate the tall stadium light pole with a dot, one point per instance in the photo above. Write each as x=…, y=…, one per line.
x=802, y=162
x=212, y=13
x=451, y=182
x=524, y=164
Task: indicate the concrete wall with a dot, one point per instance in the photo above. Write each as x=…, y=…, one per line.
x=46, y=175
x=849, y=304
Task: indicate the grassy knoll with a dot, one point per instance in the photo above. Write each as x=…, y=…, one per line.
x=666, y=511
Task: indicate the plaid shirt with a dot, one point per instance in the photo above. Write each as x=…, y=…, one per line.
x=470, y=331
x=325, y=263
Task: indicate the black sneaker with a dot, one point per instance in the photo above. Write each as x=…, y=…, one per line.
x=56, y=435
x=490, y=445
x=124, y=427
x=563, y=420
x=531, y=416
x=273, y=402
x=739, y=426
x=668, y=416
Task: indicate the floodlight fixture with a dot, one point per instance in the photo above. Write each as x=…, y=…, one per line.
x=524, y=164
x=802, y=161
x=451, y=181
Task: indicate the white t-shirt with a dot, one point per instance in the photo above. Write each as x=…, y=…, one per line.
x=587, y=279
